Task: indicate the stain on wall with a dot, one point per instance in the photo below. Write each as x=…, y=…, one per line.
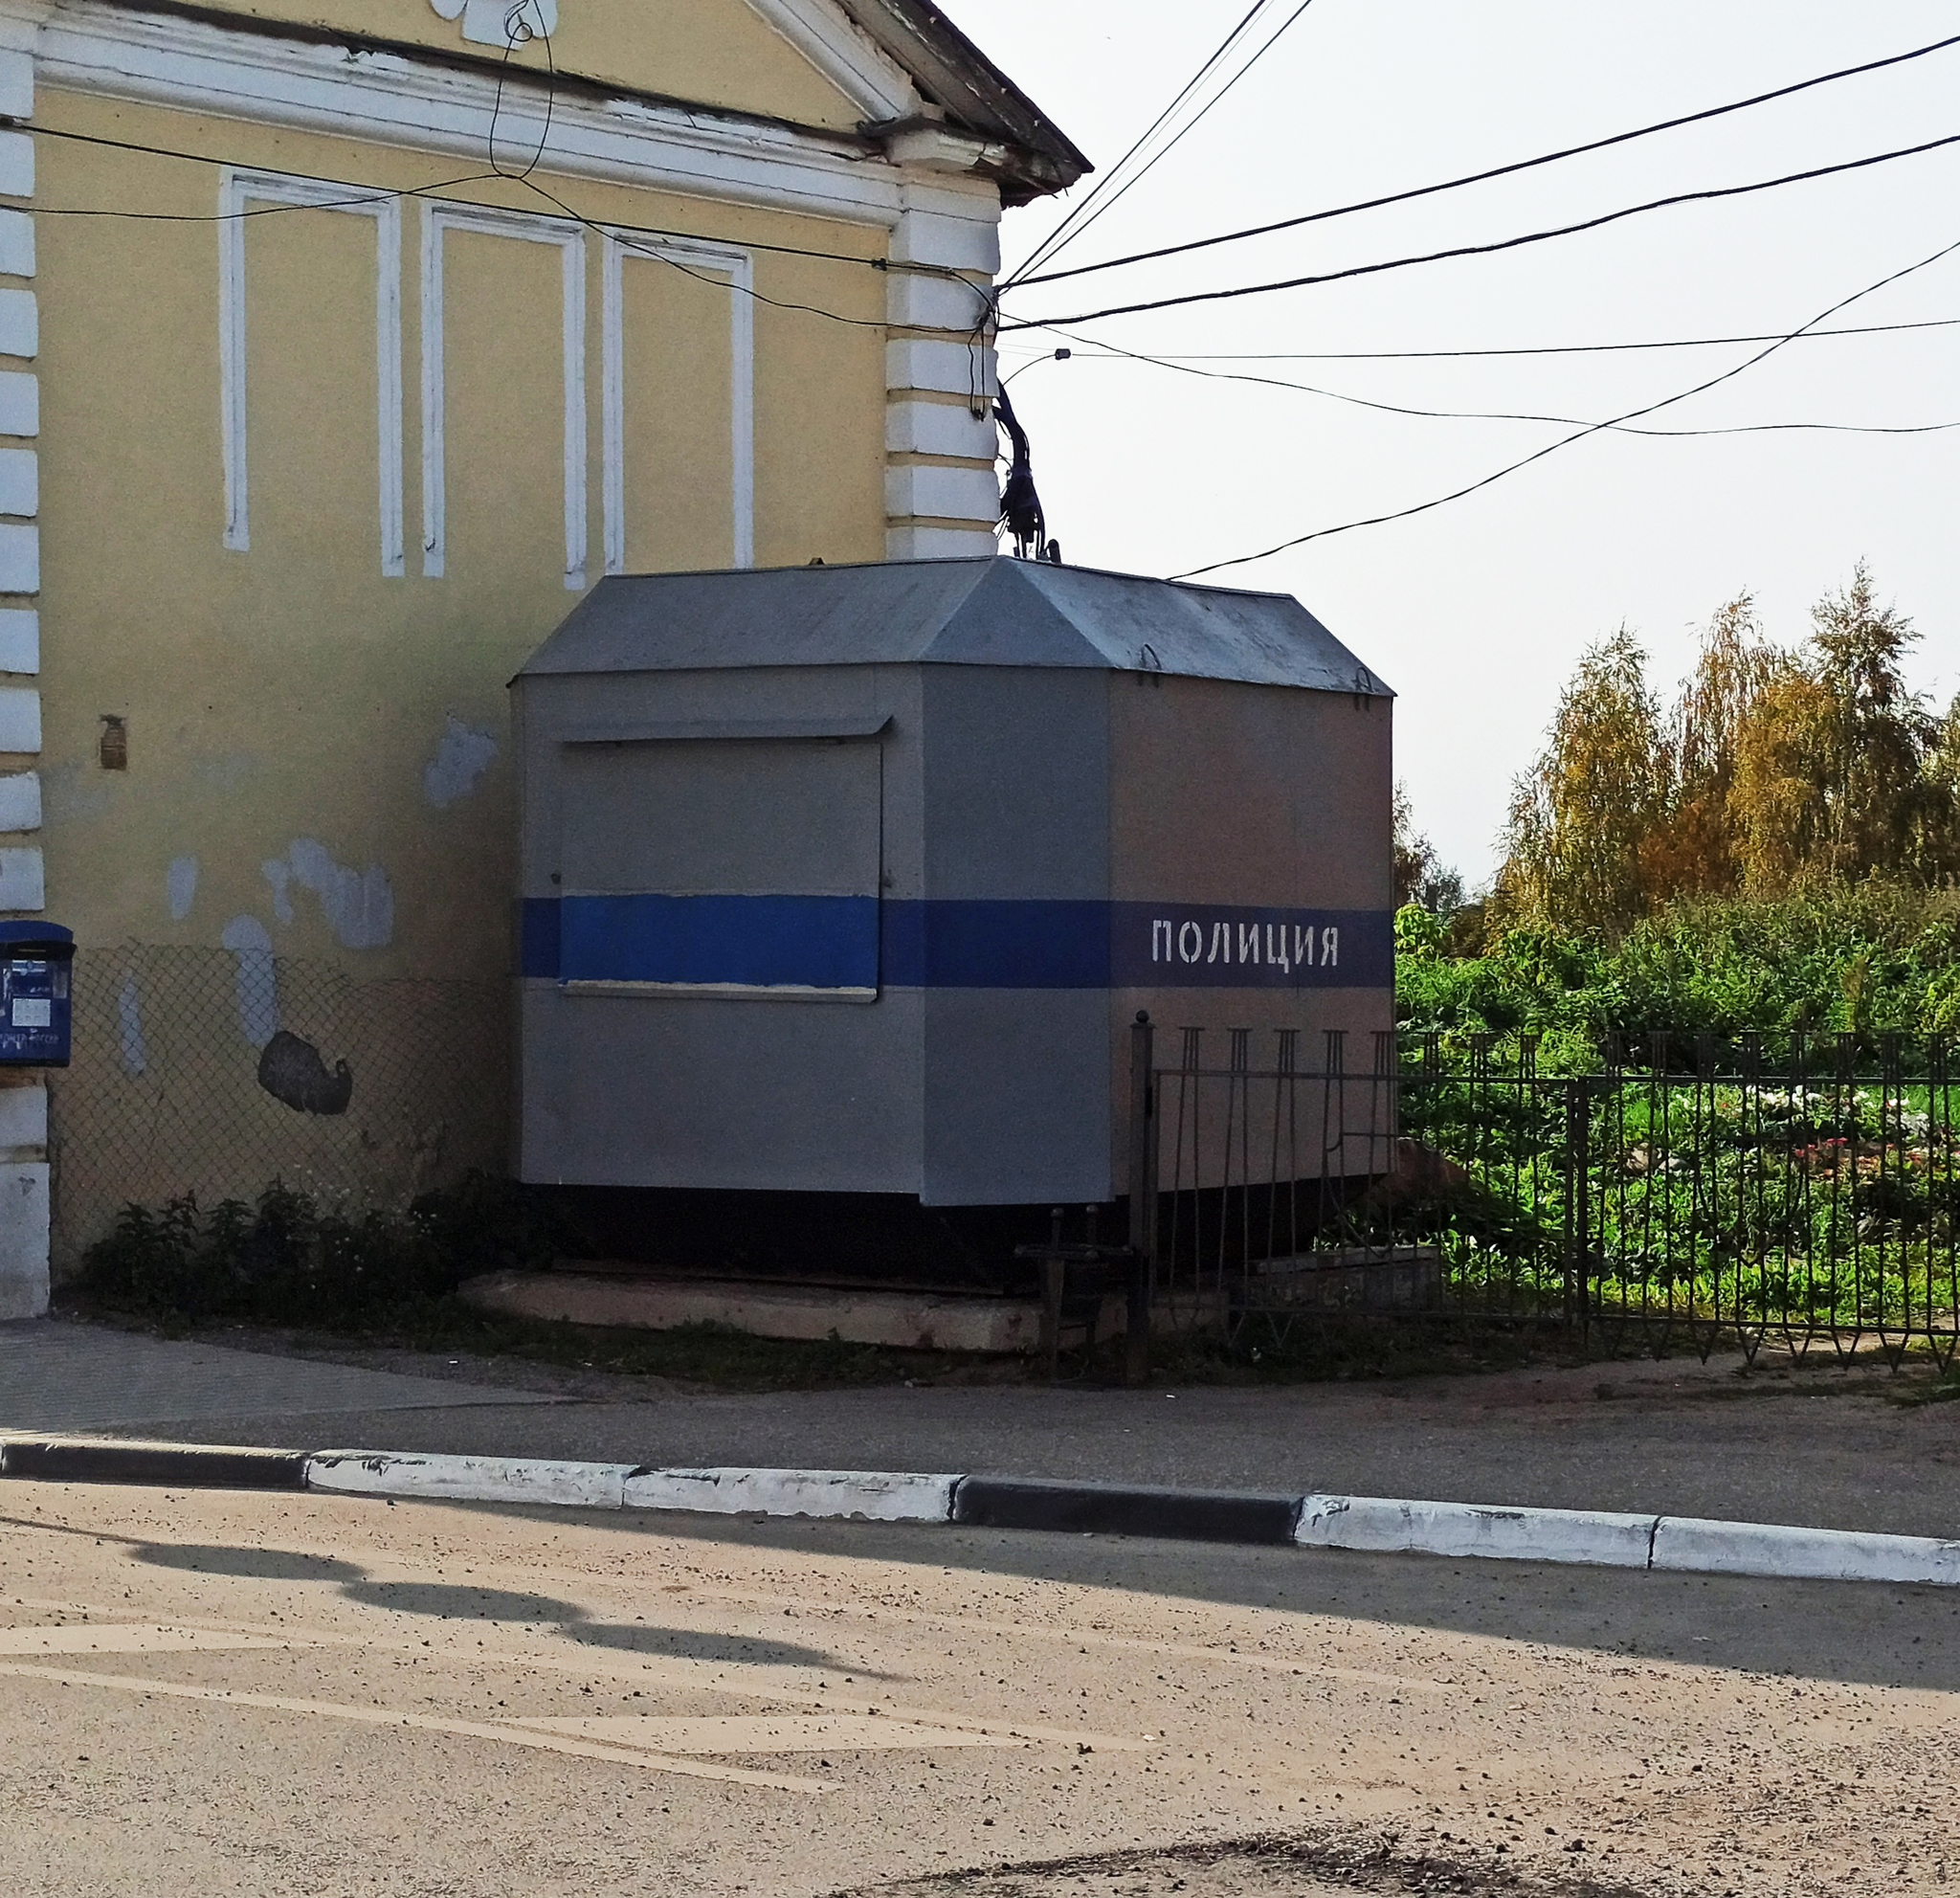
x=259, y=992
x=279, y=873
x=357, y=904
x=135, y=1055
x=464, y=756
x=181, y=884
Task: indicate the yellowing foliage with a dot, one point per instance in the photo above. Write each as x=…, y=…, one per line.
x=1774, y=772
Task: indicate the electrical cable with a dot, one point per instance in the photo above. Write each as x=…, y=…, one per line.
x=519, y=31
x=1191, y=126
x=1021, y=278
x=626, y=235
x=1536, y=349
x=1485, y=250
x=1567, y=442
x=1116, y=354
x=367, y=195
x=1060, y=234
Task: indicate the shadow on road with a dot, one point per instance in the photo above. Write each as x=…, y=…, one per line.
x=1869, y=1633
x=701, y=1645
x=293, y=1565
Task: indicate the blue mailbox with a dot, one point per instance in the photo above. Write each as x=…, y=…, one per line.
x=37, y=960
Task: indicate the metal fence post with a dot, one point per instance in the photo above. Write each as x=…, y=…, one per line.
x=1143, y=1197
x=1578, y=1199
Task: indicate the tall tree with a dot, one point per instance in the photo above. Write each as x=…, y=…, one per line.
x=1693, y=848
x=1582, y=817
x=1776, y=772
x=1877, y=733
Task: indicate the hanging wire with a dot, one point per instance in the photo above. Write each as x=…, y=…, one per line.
x=1704, y=196
x=1493, y=172
x=1567, y=442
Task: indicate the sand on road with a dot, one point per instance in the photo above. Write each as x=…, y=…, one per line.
x=207, y=1692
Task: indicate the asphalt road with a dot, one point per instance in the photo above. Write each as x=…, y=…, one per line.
x=211, y=1692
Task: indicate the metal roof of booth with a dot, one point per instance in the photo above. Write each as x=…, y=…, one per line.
x=991, y=611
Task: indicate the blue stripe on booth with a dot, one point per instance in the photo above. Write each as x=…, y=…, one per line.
x=814, y=941
x=997, y=945
x=838, y=941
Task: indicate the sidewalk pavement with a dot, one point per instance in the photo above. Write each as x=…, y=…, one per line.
x=1811, y=1445
x=86, y=1377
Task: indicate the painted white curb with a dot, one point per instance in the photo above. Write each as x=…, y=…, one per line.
x=873, y=1495
x=876, y=1496
x=1377, y=1524
x=1817, y=1554
x=469, y=1478
x=1387, y=1525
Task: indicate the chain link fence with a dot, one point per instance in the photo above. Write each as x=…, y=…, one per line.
x=214, y=1072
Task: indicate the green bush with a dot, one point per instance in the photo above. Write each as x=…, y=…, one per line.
x=285, y=1260
x=1870, y=959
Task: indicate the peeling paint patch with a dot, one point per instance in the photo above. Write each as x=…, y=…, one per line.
x=259, y=992
x=129, y=1019
x=358, y=904
x=181, y=882
x=279, y=873
x=463, y=758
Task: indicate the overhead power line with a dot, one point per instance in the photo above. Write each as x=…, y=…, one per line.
x=1485, y=250
x=1113, y=354
x=1157, y=157
x=1526, y=349
x=1065, y=231
x=1022, y=278
x=1567, y=442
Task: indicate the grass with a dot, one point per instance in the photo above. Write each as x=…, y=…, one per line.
x=705, y=1357
x=718, y=1359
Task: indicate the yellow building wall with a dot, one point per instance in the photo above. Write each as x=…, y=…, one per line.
x=318, y=750
x=292, y=693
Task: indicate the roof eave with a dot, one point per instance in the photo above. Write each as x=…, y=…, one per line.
x=1034, y=156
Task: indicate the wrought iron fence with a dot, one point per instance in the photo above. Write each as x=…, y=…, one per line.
x=215, y=1072
x=1716, y=1194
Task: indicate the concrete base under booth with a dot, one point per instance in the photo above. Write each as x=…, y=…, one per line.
x=854, y=1315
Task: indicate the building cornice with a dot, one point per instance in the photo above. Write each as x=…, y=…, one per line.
x=393, y=96
x=869, y=78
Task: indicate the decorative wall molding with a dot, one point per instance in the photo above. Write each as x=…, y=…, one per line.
x=20, y=800
x=23, y=878
x=20, y=719
x=21, y=403
x=20, y=639
x=876, y=84
x=438, y=219
x=237, y=190
x=192, y=65
x=16, y=164
x=737, y=266
x=20, y=324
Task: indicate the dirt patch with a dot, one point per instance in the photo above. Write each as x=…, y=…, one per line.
x=1264, y=1867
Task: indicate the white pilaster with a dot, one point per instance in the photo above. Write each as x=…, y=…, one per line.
x=23, y=1200
x=24, y=1172
x=942, y=499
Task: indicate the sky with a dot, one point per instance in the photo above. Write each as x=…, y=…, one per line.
x=1477, y=612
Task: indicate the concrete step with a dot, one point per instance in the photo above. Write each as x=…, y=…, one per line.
x=902, y=1320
